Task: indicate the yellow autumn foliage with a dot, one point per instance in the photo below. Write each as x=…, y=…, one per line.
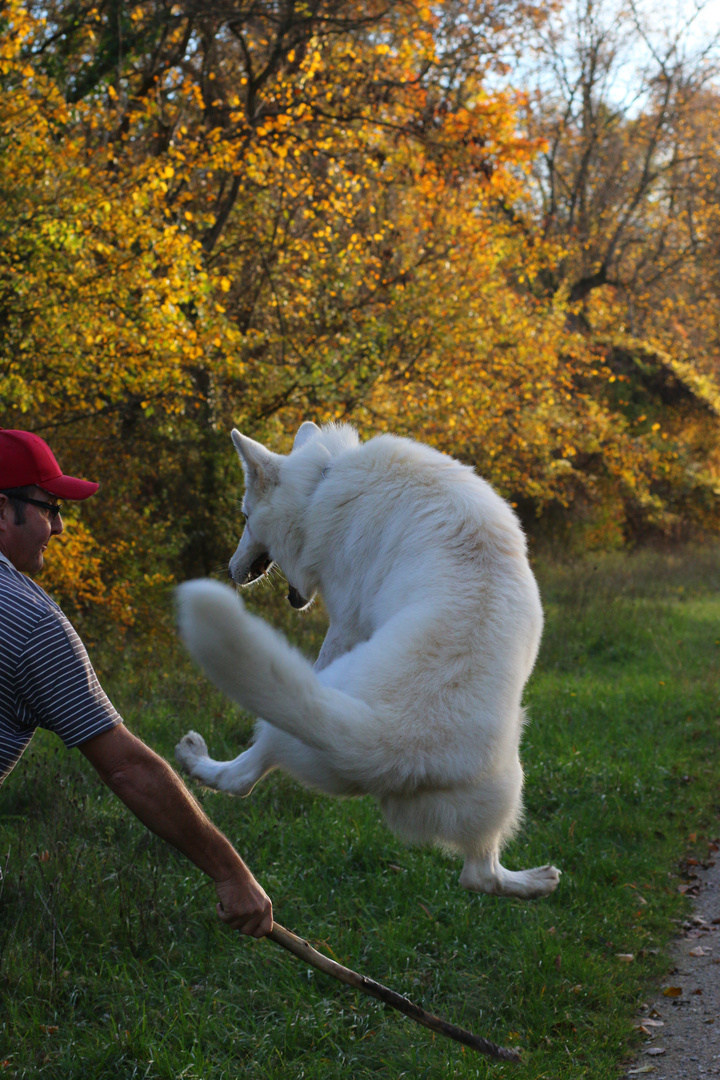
x=248, y=227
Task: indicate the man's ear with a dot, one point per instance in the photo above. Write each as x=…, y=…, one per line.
x=260, y=465
x=7, y=514
x=306, y=432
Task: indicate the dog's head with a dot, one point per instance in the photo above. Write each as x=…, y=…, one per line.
x=271, y=513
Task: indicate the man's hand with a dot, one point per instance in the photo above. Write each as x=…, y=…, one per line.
x=244, y=905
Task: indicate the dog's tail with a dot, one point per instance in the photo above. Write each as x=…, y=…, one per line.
x=255, y=666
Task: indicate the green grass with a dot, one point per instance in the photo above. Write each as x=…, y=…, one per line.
x=113, y=965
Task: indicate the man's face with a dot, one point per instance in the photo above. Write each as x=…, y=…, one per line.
x=24, y=545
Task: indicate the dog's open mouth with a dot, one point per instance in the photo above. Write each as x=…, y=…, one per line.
x=260, y=566
x=296, y=599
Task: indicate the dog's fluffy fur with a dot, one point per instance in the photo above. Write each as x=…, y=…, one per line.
x=435, y=621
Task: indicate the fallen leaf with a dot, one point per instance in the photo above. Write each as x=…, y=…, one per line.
x=625, y=957
x=655, y=1051
x=642, y=1070
x=698, y=951
x=672, y=991
x=646, y=1026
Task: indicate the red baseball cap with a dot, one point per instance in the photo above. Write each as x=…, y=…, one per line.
x=26, y=460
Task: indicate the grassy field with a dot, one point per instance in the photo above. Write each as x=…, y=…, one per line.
x=113, y=965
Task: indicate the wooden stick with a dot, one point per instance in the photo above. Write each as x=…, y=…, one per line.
x=305, y=951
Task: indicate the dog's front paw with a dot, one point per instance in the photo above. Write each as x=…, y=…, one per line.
x=191, y=749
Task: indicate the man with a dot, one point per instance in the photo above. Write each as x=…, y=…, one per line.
x=46, y=680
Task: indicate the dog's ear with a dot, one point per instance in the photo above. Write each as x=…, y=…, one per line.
x=306, y=432
x=260, y=465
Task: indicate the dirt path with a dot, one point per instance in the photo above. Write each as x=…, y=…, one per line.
x=682, y=1022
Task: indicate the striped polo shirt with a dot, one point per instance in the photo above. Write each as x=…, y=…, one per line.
x=46, y=678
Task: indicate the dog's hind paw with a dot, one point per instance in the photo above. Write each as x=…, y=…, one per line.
x=486, y=875
x=191, y=749
x=542, y=880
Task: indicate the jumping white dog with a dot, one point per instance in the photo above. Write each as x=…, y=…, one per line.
x=435, y=621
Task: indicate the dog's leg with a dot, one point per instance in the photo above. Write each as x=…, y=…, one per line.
x=271, y=749
x=495, y=810
x=486, y=875
x=238, y=777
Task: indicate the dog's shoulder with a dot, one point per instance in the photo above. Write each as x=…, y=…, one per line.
x=447, y=494
x=393, y=452
x=395, y=462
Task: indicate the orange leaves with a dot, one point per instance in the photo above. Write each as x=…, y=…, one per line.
x=75, y=578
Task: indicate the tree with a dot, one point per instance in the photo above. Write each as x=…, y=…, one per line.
x=625, y=192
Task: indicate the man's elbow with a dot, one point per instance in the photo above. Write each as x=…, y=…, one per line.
x=118, y=757
x=120, y=777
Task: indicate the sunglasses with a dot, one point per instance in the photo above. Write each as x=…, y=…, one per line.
x=52, y=509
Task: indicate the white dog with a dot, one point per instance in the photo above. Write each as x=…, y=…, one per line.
x=435, y=621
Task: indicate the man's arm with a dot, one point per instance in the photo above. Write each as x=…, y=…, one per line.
x=157, y=796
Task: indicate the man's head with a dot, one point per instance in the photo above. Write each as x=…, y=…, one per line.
x=30, y=483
